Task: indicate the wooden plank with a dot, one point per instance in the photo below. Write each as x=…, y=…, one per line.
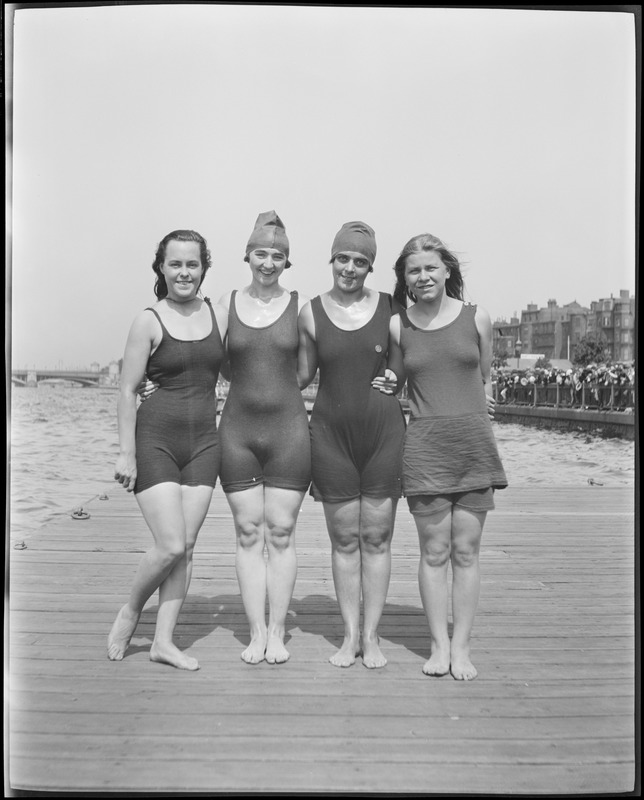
x=552, y=710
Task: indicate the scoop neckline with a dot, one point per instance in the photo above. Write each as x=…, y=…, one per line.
x=350, y=330
x=433, y=330
x=262, y=327
x=188, y=341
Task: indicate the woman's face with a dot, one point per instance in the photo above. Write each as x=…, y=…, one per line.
x=425, y=275
x=267, y=265
x=350, y=270
x=182, y=269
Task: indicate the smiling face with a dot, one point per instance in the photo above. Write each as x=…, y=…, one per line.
x=182, y=270
x=426, y=275
x=350, y=270
x=267, y=265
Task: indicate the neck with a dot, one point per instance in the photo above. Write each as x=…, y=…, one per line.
x=346, y=299
x=265, y=293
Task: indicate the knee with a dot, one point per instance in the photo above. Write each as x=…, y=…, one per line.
x=435, y=555
x=464, y=557
x=248, y=534
x=279, y=536
x=375, y=539
x=172, y=552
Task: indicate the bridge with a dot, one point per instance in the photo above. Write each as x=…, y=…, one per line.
x=32, y=377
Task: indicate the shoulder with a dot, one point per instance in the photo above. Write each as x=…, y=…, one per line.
x=224, y=300
x=482, y=321
x=306, y=318
x=221, y=316
x=302, y=300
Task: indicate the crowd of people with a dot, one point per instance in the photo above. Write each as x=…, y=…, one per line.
x=601, y=386
x=356, y=455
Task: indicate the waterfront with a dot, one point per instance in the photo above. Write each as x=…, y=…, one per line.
x=64, y=444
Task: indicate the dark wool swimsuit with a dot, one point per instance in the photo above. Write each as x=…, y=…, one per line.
x=176, y=427
x=356, y=431
x=264, y=430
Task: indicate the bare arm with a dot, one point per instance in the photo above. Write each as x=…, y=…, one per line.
x=221, y=315
x=140, y=342
x=484, y=327
x=307, y=355
x=394, y=378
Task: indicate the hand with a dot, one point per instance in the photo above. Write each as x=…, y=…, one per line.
x=125, y=472
x=491, y=405
x=386, y=384
x=146, y=389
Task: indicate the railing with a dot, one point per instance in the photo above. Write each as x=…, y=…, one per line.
x=601, y=397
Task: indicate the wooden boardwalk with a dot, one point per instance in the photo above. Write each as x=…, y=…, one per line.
x=553, y=709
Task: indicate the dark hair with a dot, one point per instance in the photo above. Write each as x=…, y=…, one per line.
x=425, y=242
x=160, y=286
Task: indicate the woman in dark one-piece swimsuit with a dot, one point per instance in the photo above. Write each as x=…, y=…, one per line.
x=356, y=437
x=266, y=457
x=169, y=454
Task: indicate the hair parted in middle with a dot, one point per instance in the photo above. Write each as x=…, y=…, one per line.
x=427, y=242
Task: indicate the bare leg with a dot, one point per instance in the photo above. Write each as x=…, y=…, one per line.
x=248, y=513
x=377, y=517
x=162, y=509
x=467, y=528
x=343, y=525
x=173, y=590
x=434, y=535
x=281, y=507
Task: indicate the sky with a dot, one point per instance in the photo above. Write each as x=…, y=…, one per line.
x=508, y=133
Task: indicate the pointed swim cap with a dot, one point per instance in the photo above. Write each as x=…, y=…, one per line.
x=269, y=231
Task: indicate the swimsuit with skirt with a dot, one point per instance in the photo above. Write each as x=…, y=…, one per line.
x=449, y=442
x=264, y=428
x=356, y=431
x=176, y=427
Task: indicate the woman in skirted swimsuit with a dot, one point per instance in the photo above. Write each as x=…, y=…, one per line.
x=264, y=434
x=169, y=454
x=451, y=465
x=356, y=437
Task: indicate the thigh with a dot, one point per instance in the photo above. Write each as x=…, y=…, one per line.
x=434, y=531
x=281, y=507
x=247, y=507
x=240, y=468
x=162, y=509
x=377, y=516
x=335, y=475
x=288, y=458
x=343, y=521
x=196, y=502
x=155, y=464
x=381, y=475
x=202, y=467
x=467, y=528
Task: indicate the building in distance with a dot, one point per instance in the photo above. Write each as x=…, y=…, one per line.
x=555, y=331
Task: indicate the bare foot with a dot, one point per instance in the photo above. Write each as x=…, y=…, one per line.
x=122, y=631
x=346, y=655
x=170, y=654
x=438, y=663
x=255, y=651
x=372, y=656
x=461, y=667
x=276, y=653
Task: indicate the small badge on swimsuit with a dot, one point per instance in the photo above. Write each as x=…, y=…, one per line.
x=378, y=348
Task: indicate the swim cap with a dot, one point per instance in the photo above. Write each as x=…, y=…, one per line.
x=269, y=231
x=355, y=237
